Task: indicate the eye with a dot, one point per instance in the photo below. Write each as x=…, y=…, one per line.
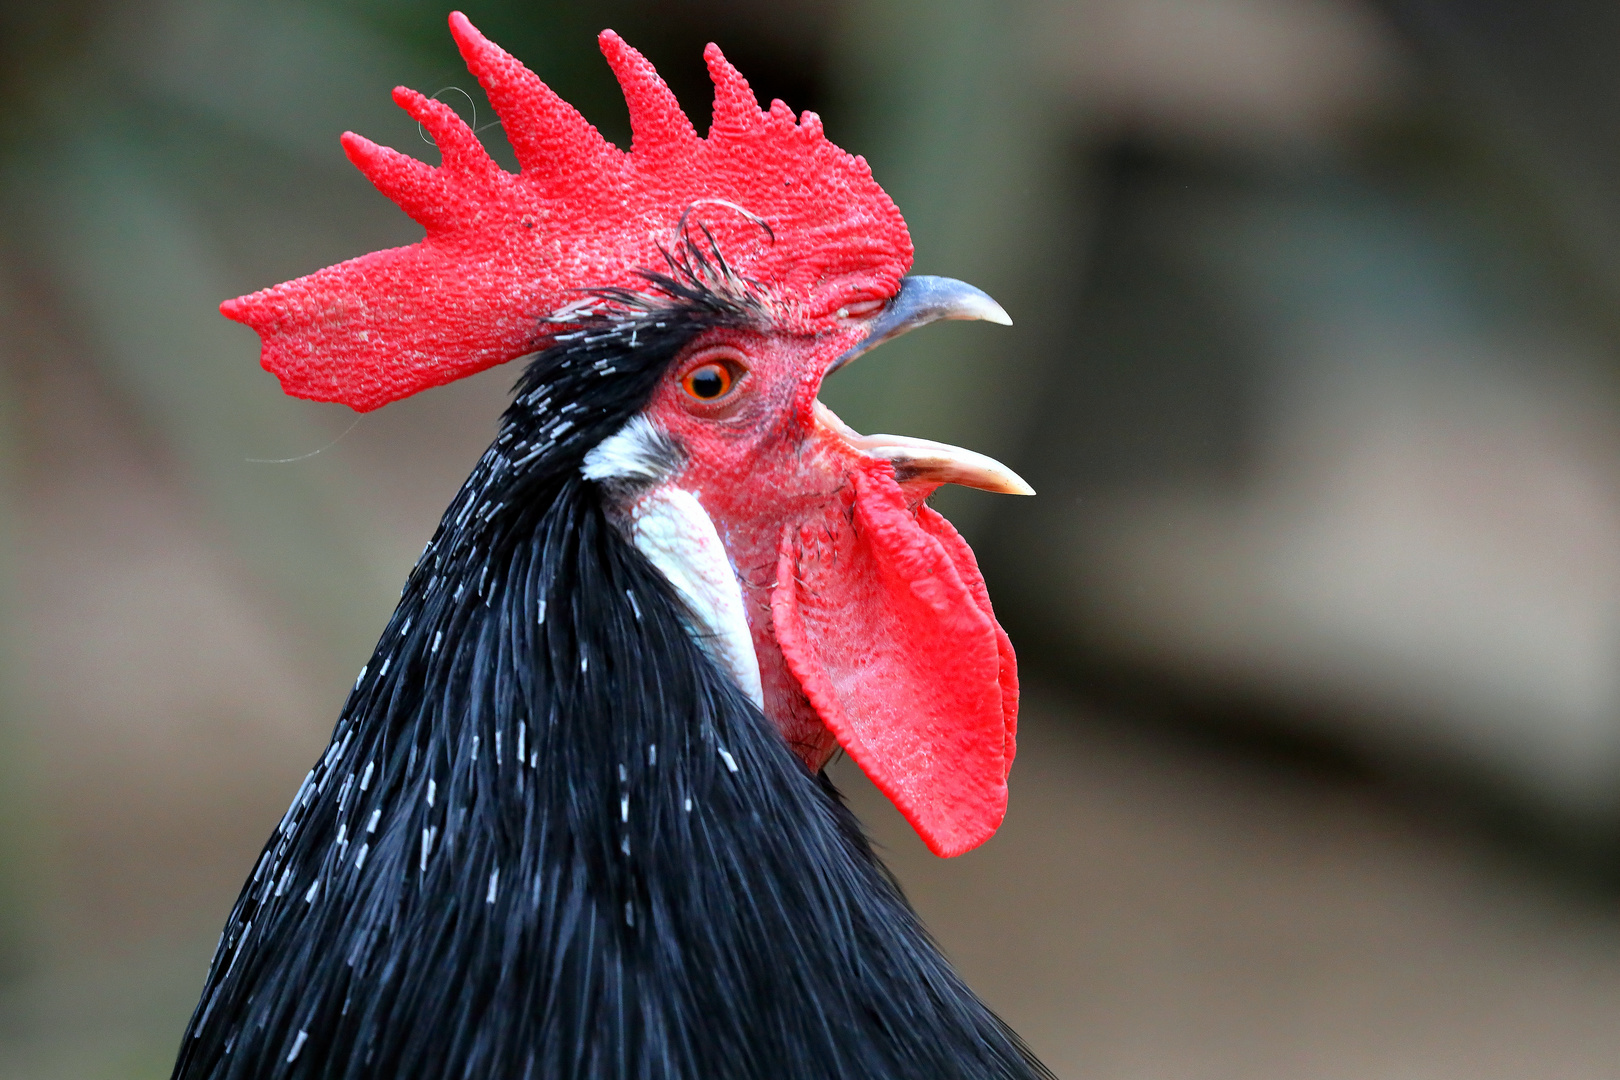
x=709, y=382
x=715, y=381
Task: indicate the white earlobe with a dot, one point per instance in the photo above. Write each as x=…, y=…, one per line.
x=633, y=457
x=671, y=528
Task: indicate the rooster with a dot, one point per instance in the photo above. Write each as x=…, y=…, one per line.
x=573, y=821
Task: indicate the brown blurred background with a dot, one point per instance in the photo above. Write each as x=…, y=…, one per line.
x=1316, y=368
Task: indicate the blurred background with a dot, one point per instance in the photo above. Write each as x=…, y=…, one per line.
x=1316, y=368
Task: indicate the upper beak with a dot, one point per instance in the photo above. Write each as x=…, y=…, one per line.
x=920, y=301
x=923, y=299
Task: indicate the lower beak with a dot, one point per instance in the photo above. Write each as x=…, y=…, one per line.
x=924, y=460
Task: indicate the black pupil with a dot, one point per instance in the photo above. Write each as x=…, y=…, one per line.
x=708, y=382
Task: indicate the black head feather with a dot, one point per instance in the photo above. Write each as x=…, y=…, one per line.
x=550, y=838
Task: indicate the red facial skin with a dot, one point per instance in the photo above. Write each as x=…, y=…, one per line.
x=758, y=461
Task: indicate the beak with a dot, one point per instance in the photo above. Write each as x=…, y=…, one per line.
x=920, y=301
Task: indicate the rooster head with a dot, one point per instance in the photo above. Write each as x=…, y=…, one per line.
x=815, y=574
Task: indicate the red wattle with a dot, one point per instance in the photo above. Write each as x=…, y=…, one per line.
x=968, y=567
x=883, y=618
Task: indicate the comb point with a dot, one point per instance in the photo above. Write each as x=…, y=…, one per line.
x=657, y=120
x=458, y=146
x=736, y=110
x=545, y=132
x=414, y=186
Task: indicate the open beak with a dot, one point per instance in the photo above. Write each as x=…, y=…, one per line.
x=920, y=301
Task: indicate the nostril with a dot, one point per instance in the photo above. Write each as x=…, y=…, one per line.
x=861, y=308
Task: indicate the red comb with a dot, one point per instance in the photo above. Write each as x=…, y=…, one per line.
x=503, y=252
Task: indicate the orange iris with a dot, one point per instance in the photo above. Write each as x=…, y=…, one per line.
x=708, y=382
